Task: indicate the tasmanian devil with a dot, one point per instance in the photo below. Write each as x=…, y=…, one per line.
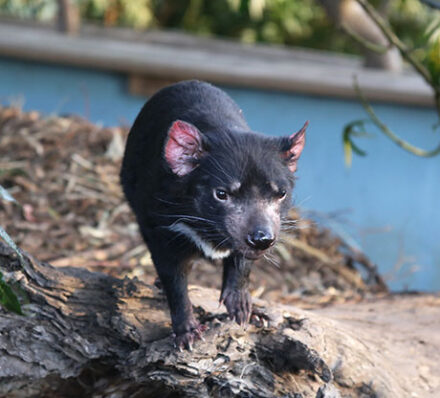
x=200, y=182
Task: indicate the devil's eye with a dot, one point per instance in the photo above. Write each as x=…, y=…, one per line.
x=220, y=194
x=282, y=194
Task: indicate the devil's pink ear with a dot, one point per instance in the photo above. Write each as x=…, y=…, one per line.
x=183, y=147
x=297, y=141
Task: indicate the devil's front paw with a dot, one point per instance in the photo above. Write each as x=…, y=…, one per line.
x=238, y=303
x=187, y=333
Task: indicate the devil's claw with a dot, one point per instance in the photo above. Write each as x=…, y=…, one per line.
x=239, y=305
x=186, y=339
x=259, y=318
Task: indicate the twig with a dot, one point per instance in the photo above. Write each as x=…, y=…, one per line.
x=346, y=273
x=392, y=136
x=377, y=48
x=418, y=66
x=392, y=38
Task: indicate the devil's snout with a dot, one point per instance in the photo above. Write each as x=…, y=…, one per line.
x=260, y=239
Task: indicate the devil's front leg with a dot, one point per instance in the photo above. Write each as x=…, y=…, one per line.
x=173, y=270
x=235, y=294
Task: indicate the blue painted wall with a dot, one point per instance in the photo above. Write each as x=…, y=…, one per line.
x=388, y=202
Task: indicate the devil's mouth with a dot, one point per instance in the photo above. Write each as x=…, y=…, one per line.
x=254, y=254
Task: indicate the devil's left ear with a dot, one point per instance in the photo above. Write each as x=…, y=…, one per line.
x=183, y=147
x=296, y=144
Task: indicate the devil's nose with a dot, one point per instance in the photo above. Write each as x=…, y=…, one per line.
x=260, y=239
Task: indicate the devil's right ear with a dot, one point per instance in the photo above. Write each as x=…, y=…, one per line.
x=296, y=144
x=183, y=147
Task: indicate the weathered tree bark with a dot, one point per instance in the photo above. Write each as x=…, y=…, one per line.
x=69, y=18
x=88, y=334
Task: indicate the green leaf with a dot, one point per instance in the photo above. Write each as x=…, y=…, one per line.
x=355, y=128
x=348, y=152
x=433, y=29
x=357, y=150
x=432, y=60
x=244, y=7
x=8, y=299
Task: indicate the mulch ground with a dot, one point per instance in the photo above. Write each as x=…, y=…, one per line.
x=64, y=174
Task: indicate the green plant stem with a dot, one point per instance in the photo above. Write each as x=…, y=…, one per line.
x=377, y=48
x=392, y=38
x=417, y=65
x=385, y=130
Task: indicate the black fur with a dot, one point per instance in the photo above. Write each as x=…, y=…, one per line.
x=161, y=199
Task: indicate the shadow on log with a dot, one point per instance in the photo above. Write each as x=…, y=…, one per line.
x=88, y=334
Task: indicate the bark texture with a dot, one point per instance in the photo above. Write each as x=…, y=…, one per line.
x=88, y=334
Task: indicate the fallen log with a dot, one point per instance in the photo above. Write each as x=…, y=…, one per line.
x=89, y=334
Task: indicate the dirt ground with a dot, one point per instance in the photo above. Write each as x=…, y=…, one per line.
x=405, y=329
x=63, y=172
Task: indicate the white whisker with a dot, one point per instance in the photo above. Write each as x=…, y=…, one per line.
x=271, y=260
